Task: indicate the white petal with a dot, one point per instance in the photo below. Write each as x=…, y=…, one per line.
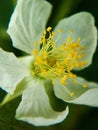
x=12, y=71
x=28, y=22
x=76, y=93
x=35, y=106
x=83, y=26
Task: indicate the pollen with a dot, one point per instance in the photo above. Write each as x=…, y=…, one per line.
x=35, y=52
x=60, y=30
x=43, y=72
x=45, y=54
x=84, y=85
x=57, y=62
x=72, y=75
x=49, y=29
x=38, y=60
x=70, y=31
x=63, y=80
x=33, y=73
x=71, y=93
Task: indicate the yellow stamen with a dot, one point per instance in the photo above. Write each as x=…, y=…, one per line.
x=63, y=80
x=71, y=93
x=57, y=62
x=60, y=30
x=84, y=85
x=70, y=31
x=45, y=54
x=43, y=72
x=35, y=52
x=33, y=73
x=52, y=82
x=49, y=29
x=53, y=32
x=38, y=60
x=71, y=75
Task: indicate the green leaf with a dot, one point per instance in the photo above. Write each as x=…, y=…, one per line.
x=12, y=71
x=77, y=91
x=82, y=25
x=35, y=107
x=28, y=22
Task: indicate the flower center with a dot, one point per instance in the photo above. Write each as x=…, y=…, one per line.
x=57, y=62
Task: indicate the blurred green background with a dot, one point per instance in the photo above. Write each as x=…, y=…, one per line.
x=80, y=117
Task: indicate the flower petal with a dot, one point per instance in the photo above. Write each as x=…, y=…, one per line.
x=88, y=98
x=17, y=92
x=27, y=60
x=28, y=22
x=12, y=71
x=35, y=107
x=80, y=92
x=82, y=25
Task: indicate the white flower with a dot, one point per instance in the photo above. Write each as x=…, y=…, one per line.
x=47, y=72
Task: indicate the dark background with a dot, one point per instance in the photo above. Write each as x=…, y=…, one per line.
x=80, y=117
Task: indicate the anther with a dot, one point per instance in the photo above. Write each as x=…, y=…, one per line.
x=71, y=93
x=84, y=85
x=35, y=52
x=70, y=31
x=60, y=30
x=49, y=29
